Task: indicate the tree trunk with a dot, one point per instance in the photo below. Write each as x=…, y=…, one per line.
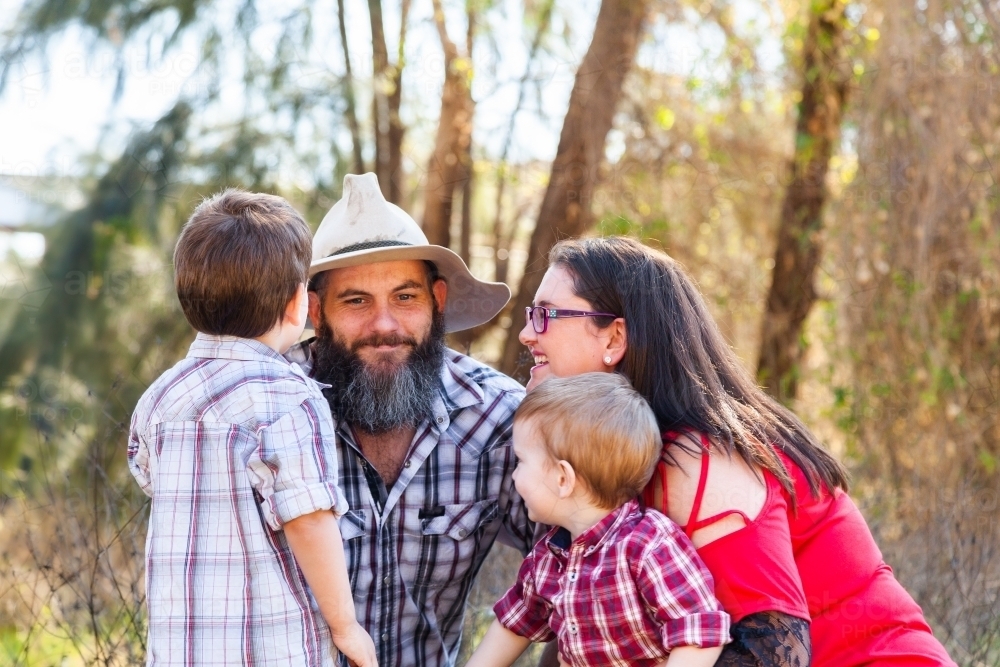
x=465, y=243
x=503, y=236
x=352, y=115
x=462, y=340
x=396, y=128
x=792, y=293
x=565, y=210
x=450, y=164
x=387, y=89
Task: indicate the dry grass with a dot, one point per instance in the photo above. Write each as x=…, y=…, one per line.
x=902, y=380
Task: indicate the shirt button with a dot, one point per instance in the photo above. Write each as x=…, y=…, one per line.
x=386, y=580
x=572, y=628
x=407, y=464
x=440, y=420
x=385, y=636
x=572, y=575
x=462, y=532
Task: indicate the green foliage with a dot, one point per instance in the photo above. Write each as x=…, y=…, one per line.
x=64, y=354
x=109, y=20
x=617, y=226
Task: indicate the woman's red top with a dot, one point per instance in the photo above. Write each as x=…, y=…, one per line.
x=819, y=563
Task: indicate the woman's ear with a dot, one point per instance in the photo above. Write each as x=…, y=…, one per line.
x=567, y=479
x=617, y=342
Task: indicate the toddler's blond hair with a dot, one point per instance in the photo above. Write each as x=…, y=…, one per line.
x=602, y=427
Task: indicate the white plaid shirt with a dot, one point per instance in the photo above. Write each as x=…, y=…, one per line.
x=232, y=443
x=413, y=550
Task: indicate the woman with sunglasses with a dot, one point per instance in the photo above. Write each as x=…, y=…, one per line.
x=794, y=562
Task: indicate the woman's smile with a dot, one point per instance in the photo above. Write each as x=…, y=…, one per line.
x=540, y=359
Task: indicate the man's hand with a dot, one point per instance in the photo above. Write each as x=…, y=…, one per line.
x=357, y=645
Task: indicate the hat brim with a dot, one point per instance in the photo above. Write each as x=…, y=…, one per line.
x=470, y=301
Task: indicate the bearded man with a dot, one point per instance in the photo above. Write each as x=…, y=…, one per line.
x=423, y=432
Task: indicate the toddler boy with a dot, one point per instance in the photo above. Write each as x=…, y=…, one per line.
x=612, y=582
x=236, y=448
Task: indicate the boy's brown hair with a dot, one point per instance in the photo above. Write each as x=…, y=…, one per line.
x=602, y=427
x=238, y=262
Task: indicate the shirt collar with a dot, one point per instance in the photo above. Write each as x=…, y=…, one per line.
x=594, y=537
x=301, y=354
x=459, y=389
x=208, y=346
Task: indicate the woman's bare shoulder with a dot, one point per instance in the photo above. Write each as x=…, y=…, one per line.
x=731, y=485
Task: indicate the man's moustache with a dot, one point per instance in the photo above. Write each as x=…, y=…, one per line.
x=377, y=341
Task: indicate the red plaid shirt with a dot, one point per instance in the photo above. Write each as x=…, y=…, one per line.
x=625, y=592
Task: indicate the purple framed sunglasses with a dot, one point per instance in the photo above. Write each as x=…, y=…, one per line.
x=539, y=316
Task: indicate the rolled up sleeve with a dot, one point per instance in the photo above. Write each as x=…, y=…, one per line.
x=294, y=469
x=521, y=610
x=677, y=589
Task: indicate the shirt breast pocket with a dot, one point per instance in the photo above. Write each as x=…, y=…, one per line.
x=454, y=534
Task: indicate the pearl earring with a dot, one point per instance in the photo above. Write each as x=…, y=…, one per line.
x=607, y=360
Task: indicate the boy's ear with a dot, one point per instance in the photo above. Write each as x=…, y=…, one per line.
x=298, y=307
x=567, y=479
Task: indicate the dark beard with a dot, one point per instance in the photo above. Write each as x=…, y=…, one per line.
x=379, y=397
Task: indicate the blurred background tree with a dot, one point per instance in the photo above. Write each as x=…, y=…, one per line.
x=824, y=169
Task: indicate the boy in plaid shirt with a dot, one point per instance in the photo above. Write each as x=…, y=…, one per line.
x=612, y=582
x=235, y=446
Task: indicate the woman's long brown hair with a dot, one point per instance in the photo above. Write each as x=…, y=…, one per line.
x=679, y=361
